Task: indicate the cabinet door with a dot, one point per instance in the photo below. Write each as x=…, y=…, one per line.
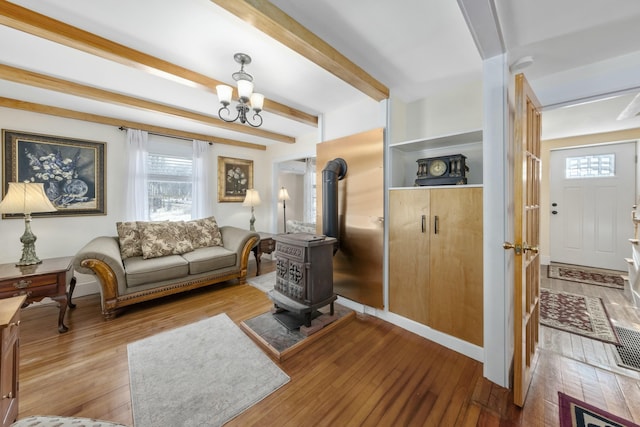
x=455, y=254
x=409, y=253
x=9, y=372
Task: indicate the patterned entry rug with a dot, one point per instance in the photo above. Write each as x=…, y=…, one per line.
x=589, y=275
x=575, y=413
x=577, y=314
x=628, y=353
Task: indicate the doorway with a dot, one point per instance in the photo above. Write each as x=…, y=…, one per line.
x=298, y=177
x=592, y=191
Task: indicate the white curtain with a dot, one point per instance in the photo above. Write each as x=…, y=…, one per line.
x=137, y=201
x=200, y=194
x=310, y=190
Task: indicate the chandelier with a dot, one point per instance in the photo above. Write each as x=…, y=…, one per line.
x=247, y=99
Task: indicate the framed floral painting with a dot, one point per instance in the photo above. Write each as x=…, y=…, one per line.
x=71, y=170
x=235, y=176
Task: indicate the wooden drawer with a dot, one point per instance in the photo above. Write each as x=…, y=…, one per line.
x=267, y=246
x=34, y=286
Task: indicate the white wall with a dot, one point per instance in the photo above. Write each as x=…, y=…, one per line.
x=450, y=112
x=235, y=214
x=358, y=117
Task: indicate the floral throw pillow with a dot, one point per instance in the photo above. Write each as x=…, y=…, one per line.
x=164, y=238
x=129, y=238
x=204, y=232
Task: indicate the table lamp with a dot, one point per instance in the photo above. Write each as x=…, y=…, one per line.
x=252, y=199
x=26, y=198
x=283, y=196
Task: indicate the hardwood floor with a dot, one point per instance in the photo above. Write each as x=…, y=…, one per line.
x=594, y=352
x=368, y=372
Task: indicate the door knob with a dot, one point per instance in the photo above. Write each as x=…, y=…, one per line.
x=516, y=247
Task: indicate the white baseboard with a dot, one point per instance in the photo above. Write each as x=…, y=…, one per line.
x=470, y=350
x=85, y=285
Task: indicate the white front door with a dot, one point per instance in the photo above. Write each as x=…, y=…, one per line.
x=592, y=196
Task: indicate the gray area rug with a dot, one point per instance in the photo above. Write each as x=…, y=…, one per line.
x=202, y=374
x=264, y=282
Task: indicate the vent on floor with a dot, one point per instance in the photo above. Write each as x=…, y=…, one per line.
x=629, y=352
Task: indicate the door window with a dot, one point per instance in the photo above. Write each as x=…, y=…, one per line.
x=593, y=166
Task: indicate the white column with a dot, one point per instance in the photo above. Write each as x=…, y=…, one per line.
x=498, y=227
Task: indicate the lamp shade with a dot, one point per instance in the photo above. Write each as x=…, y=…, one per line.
x=257, y=101
x=283, y=194
x=252, y=198
x=245, y=89
x=26, y=198
x=224, y=93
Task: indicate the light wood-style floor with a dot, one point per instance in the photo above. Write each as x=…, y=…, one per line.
x=368, y=372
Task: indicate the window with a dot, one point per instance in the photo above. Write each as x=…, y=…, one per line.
x=169, y=179
x=597, y=166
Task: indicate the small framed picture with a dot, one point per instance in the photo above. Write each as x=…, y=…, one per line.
x=235, y=176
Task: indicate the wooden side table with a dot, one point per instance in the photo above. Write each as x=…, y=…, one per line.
x=266, y=245
x=47, y=279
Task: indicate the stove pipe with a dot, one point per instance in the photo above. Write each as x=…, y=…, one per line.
x=333, y=172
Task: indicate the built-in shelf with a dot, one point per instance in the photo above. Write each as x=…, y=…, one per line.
x=404, y=155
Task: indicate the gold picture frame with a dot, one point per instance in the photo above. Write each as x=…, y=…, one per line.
x=235, y=177
x=72, y=171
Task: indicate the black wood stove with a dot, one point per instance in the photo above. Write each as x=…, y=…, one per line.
x=304, y=277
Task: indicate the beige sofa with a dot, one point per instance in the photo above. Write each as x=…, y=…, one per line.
x=148, y=260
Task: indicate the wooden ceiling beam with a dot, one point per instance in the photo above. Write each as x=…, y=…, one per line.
x=43, y=81
x=95, y=118
x=272, y=21
x=28, y=21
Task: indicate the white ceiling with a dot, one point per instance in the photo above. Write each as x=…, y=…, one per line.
x=414, y=47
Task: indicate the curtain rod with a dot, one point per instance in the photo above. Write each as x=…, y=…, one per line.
x=165, y=134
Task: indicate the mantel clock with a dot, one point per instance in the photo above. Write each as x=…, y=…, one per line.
x=443, y=170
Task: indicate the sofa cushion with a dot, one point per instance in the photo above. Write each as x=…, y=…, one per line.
x=209, y=259
x=163, y=238
x=129, y=239
x=204, y=232
x=140, y=271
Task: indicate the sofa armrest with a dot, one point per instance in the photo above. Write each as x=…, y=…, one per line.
x=241, y=242
x=235, y=239
x=101, y=257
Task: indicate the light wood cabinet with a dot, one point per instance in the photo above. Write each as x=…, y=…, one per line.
x=435, y=259
x=409, y=254
x=10, y=357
